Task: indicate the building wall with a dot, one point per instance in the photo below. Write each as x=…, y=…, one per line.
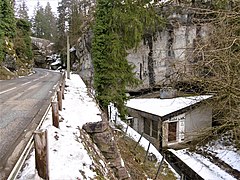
x=198, y=121
x=190, y=124
x=138, y=124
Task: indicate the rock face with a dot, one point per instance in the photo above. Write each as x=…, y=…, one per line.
x=41, y=49
x=102, y=136
x=160, y=58
x=10, y=62
x=83, y=53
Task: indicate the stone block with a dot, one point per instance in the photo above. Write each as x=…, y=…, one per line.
x=96, y=127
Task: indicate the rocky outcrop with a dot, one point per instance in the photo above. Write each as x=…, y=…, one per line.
x=102, y=136
x=161, y=58
x=41, y=49
x=10, y=62
x=83, y=53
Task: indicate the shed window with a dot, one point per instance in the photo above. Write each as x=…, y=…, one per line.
x=155, y=129
x=147, y=124
x=172, y=131
x=151, y=128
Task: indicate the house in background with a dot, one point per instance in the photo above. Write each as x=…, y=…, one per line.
x=170, y=122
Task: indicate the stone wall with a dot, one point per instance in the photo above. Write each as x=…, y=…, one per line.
x=102, y=136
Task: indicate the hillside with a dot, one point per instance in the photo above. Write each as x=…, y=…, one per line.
x=72, y=153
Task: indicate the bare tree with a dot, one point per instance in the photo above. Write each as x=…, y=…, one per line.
x=217, y=64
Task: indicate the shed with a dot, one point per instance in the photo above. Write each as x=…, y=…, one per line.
x=170, y=122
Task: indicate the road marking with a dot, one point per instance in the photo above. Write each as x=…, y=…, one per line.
x=7, y=90
x=26, y=83
x=35, y=79
x=2, y=92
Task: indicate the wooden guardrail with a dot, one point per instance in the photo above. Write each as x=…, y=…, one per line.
x=29, y=146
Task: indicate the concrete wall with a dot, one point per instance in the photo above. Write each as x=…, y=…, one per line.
x=198, y=121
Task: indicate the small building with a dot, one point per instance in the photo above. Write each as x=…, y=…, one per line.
x=170, y=122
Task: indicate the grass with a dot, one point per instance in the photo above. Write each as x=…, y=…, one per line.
x=4, y=74
x=134, y=161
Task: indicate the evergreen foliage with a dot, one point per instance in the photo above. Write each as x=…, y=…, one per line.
x=8, y=22
x=44, y=23
x=7, y=25
x=70, y=19
x=50, y=28
x=63, y=23
x=22, y=41
x=76, y=19
x=22, y=10
x=38, y=22
x=118, y=26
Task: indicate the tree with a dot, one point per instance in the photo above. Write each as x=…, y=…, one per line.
x=8, y=22
x=63, y=23
x=38, y=21
x=76, y=19
x=7, y=25
x=44, y=23
x=22, y=10
x=22, y=41
x=50, y=28
x=217, y=61
x=118, y=26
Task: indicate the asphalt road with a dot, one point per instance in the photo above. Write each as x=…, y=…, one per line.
x=23, y=102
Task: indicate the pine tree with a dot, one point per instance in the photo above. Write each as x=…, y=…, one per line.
x=22, y=10
x=38, y=21
x=7, y=25
x=63, y=23
x=118, y=26
x=50, y=28
x=22, y=41
x=8, y=21
x=76, y=18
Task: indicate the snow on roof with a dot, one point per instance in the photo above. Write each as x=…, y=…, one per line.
x=163, y=107
x=202, y=165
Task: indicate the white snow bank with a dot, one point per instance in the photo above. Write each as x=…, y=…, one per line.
x=68, y=158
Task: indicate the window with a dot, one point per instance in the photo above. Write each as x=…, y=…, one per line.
x=155, y=129
x=147, y=124
x=172, y=131
x=151, y=128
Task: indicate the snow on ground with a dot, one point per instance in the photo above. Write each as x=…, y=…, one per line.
x=224, y=150
x=67, y=155
x=136, y=136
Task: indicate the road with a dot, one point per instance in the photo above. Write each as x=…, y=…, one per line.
x=23, y=102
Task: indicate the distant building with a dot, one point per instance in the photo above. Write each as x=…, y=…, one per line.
x=170, y=122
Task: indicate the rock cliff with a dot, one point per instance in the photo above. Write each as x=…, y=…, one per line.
x=160, y=58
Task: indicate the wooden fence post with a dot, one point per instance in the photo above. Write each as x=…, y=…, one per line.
x=41, y=153
x=138, y=141
x=59, y=98
x=159, y=168
x=55, y=115
x=147, y=152
x=62, y=88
